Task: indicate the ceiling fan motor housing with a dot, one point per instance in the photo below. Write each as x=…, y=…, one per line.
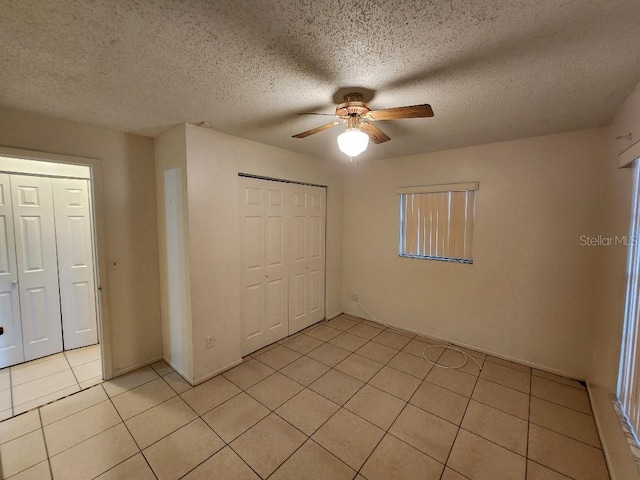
x=353, y=106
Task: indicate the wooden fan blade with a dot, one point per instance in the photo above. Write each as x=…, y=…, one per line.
x=316, y=130
x=414, y=111
x=376, y=135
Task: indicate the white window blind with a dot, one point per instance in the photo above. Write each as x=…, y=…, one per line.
x=437, y=222
x=629, y=374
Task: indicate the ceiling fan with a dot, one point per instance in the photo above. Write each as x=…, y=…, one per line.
x=360, y=122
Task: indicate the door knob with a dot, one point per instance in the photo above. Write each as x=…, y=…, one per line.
x=267, y=275
x=14, y=283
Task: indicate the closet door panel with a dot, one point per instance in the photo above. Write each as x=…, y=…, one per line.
x=282, y=259
x=263, y=258
x=252, y=258
x=276, y=278
x=306, y=298
x=316, y=257
x=37, y=265
x=75, y=262
x=11, y=349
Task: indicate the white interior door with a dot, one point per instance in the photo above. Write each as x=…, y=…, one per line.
x=276, y=276
x=75, y=262
x=263, y=263
x=37, y=265
x=11, y=349
x=306, y=295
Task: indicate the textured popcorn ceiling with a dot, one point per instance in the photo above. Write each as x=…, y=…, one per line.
x=492, y=70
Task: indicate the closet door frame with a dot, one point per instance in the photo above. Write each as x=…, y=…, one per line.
x=98, y=238
x=288, y=187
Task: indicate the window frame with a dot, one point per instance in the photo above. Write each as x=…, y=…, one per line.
x=434, y=189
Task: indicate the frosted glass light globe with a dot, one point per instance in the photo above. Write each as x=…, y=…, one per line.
x=353, y=142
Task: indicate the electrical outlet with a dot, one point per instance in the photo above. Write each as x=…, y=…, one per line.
x=210, y=342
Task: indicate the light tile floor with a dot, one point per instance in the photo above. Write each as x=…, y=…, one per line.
x=31, y=384
x=346, y=399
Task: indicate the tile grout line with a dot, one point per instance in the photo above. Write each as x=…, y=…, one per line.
x=561, y=405
x=32, y=366
x=406, y=402
x=132, y=437
x=386, y=432
x=309, y=437
x=552, y=469
x=11, y=393
x=71, y=368
x=198, y=417
x=526, y=461
x=43, y=404
x=86, y=439
x=109, y=428
x=81, y=410
x=80, y=348
x=564, y=435
x=243, y=390
x=13, y=407
x=462, y=419
x=486, y=359
x=44, y=440
x=228, y=444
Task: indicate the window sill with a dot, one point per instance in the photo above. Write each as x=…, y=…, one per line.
x=439, y=259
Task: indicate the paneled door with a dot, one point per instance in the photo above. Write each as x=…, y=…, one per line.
x=263, y=256
x=11, y=350
x=37, y=265
x=75, y=261
x=306, y=296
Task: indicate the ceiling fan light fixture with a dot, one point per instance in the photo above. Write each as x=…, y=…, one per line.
x=353, y=142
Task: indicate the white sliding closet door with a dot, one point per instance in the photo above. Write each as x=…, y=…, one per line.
x=11, y=350
x=75, y=262
x=282, y=255
x=263, y=250
x=37, y=265
x=306, y=297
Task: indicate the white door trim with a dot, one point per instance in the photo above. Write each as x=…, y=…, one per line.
x=99, y=241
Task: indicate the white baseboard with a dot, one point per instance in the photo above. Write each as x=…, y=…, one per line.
x=179, y=371
x=124, y=371
x=199, y=380
x=478, y=349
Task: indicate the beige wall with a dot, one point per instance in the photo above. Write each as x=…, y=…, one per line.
x=617, y=192
x=615, y=220
x=128, y=213
x=529, y=295
x=213, y=162
x=173, y=236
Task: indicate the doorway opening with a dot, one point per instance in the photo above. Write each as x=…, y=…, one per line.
x=50, y=343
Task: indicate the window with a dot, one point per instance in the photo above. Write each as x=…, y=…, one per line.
x=629, y=375
x=436, y=222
